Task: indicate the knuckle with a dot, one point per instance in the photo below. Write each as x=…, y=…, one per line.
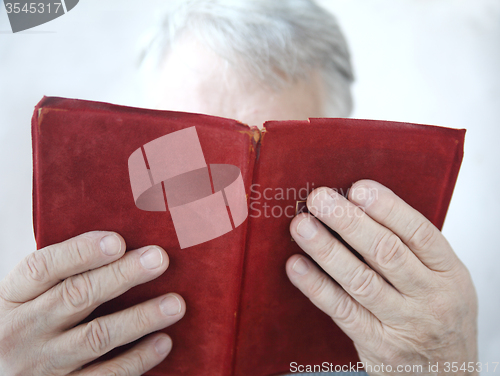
x=120, y=271
x=326, y=252
x=317, y=288
x=388, y=209
x=361, y=281
x=346, y=310
x=349, y=223
x=388, y=251
x=97, y=337
x=80, y=250
x=37, y=266
x=423, y=237
x=141, y=361
x=52, y=364
x=133, y=364
x=116, y=369
x=78, y=292
x=141, y=320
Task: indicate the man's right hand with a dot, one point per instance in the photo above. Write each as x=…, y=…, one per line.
x=55, y=288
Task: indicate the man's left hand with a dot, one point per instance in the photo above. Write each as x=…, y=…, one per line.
x=412, y=303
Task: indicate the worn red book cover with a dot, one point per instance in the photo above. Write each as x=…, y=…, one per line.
x=98, y=166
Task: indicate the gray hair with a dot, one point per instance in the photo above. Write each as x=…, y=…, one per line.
x=264, y=37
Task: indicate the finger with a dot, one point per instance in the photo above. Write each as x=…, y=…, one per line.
x=416, y=231
x=356, y=278
x=103, y=334
x=354, y=320
x=382, y=249
x=46, y=267
x=76, y=297
x=134, y=362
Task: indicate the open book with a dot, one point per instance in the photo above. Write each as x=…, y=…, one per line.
x=98, y=166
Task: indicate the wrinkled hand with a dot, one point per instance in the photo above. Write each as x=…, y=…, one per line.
x=55, y=288
x=414, y=302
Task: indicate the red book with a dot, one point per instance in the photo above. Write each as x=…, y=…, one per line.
x=243, y=315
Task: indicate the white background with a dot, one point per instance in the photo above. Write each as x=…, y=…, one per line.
x=435, y=62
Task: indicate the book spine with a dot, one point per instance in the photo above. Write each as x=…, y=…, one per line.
x=451, y=178
x=255, y=140
x=36, y=131
x=35, y=139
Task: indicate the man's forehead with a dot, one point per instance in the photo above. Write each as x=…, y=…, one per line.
x=194, y=78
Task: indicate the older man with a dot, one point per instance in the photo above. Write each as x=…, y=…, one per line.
x=253, y=60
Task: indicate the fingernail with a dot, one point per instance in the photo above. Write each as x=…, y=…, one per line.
x=163, y=345
x=362, y=196
x=307, y=228
x=152, y=258
x=170, y=305
x=301, y=266
x=323, y=202
x=110, y=245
